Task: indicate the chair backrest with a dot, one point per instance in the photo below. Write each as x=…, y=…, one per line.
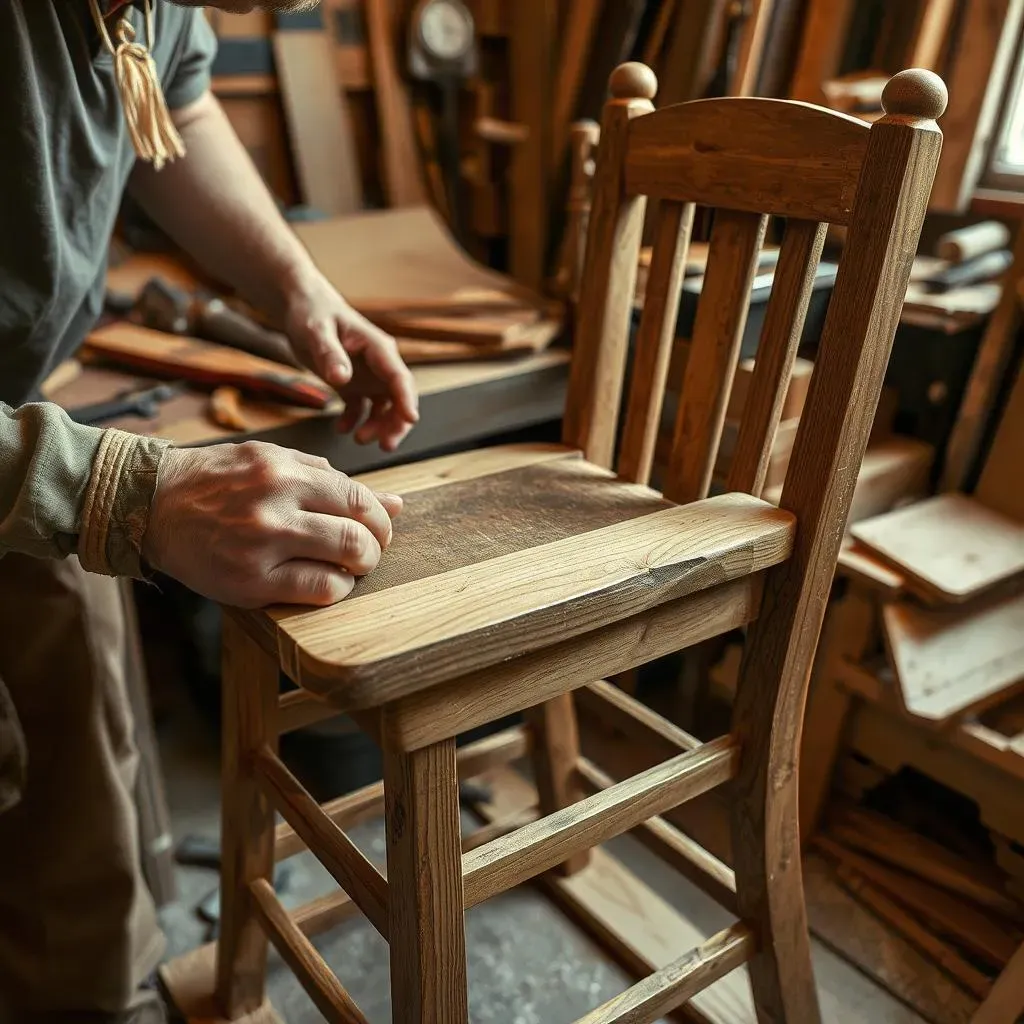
x=748, y=159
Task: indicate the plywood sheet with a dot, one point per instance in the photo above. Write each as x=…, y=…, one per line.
x=950, y=660
x=950, y=547
x=319, y=123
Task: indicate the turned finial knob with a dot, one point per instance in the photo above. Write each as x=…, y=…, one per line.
x=915, y=93
x=633, y=80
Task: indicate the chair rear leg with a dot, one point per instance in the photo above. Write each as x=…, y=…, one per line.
x=765, y=802
x=250, y=693
x=556, y=752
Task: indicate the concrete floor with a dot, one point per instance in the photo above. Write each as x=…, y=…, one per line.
x=527, y=963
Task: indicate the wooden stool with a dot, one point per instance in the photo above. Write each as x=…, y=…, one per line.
x=518, y=575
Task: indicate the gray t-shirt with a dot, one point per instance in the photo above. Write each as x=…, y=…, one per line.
x=65, y=157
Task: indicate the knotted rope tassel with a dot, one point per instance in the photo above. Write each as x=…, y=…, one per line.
x=153, y=133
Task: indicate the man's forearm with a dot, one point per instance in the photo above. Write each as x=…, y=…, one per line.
x=215, y=205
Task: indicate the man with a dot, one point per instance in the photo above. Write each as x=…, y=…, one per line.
x=247, y=524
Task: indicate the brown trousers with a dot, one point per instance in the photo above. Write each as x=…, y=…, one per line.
x=78, y=929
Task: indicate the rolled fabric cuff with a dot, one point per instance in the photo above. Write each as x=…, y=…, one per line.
x=115, y=512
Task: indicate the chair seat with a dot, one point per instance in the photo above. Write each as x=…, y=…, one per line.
x=507, y=550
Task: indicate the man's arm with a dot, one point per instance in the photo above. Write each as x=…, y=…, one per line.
x=215, y=205
x=247, y=525
x=66, y=488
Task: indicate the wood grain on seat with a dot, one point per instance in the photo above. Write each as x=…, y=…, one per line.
x=492, y=567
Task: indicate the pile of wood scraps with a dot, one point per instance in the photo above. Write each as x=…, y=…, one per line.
x=402, y=270
x=954, y=910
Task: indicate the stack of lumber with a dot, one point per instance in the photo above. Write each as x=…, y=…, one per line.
x=402, y=270
x=955, y=911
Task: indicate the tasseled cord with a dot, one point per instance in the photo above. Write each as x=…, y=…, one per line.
x=153, y=133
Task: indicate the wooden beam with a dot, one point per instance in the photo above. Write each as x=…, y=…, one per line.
x=305, y=962
x=350, y=868
x=674, y=847
x=665, y=990
x=986, y=45
x=533, y=849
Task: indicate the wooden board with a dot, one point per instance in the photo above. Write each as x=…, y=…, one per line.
x=205, y=363
x=531, y=61
x=892, y=741
x=950, y=661
x=190, y=980
x=401, y=256
x=319, y=124
x=400, y=158
x=991, y=364
x=952, y=917
x=950, y=547
x=857, y=935
x=1000, y=484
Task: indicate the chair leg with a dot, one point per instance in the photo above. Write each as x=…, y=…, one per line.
x=426, y=915
x=556, y=751
x=765, y=803
x=250, y=691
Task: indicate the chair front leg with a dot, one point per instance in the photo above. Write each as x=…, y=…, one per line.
x=426, y=918
x=250, y=695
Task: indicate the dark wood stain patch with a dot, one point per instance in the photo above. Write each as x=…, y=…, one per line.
x=464, y=523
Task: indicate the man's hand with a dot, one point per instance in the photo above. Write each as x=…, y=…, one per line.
x=252, y=524
x=357, y=359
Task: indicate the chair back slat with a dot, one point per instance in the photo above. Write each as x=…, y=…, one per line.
x=763, y=156
x=653, y=346
x=780, y=337
x=608, y=288
x=736, y=239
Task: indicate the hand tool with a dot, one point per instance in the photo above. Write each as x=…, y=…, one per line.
x=145, y=404
x=164, y=307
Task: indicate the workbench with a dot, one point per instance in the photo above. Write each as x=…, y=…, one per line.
x=460, y=405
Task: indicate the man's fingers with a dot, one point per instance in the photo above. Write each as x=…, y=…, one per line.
x=306, y=582
x=393, y=503
x=343, y=542
x=335, y=494
x=354, y=413
x=321, y=342
x=381, y=354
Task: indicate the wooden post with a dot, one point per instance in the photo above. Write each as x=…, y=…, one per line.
x=426, y=925
x=889, y=208
x=556, y=753
x=249, y=682
x=609, y=282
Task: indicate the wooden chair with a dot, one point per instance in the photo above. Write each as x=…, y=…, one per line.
x=518, y=575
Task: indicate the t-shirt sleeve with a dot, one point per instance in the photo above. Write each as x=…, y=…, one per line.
x=197, y=47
